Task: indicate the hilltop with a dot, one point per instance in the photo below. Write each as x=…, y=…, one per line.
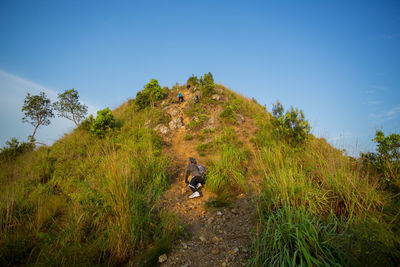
x=274, y=195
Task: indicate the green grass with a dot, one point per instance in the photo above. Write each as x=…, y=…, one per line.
x=90, y=201
x=87, y=200
x=318, y=207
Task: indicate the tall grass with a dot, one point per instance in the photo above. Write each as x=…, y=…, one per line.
x=227, y=168
x=87, y=200
x=292, y=237
x=317, y=208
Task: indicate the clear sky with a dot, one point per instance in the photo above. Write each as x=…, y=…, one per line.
x=339, y=61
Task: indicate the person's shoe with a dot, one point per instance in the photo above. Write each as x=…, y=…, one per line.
x=195, y=194
x=199, y=185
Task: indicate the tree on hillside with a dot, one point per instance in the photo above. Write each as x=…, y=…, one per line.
x=68, y=106
x=387, y=159
x=37, y=110
x=104, y=122
x=207, y=84
x=291, y=125
x=151, y=93
x=193, y=80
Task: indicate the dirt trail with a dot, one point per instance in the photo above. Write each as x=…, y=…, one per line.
x=216, y=237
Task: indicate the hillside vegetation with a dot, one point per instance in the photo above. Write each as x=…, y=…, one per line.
x=94, y=196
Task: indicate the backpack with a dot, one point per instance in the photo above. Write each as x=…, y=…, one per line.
x=202, y=170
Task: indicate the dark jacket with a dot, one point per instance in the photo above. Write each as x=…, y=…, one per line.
x=192, y=169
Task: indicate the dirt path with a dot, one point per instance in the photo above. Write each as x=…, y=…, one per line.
x=216, y=237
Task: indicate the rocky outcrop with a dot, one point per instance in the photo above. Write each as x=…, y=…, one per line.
x=240, y=118
x=176, y=123
x=172, y=111
x=216, y=97
x=162, y=129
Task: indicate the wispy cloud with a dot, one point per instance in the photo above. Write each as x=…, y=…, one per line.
x=13, y=90
x=392, y=113
x=385, y=115
x=21, y=84
x=10, y=84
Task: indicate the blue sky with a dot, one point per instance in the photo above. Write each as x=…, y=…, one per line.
x=339, y=61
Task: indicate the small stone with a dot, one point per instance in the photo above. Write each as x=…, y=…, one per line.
x=240, y=118
x=161, y=129
x=184, y=245
x=210, y=220
x=176, y=123
x=235, y=250
x=202, y=238
x=162, y=258
x=216, y=97
x=245, y=250
x=219, y=213
x=224, y=264
x=215, y=239
x=215, y=251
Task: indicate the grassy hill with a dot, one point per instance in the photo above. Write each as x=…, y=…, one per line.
x=87, y=200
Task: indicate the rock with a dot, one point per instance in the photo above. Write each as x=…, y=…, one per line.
x=240, y=118
x=215, y=239
x=210, y=220
x=184, y=245
x=235, y=250
x=172, y=111
x=216, y=97
x=219, y=213
x=215, y=251
x=176, y=123
x=162, y=129
x=219, y=90
x=224, y=264
x=234, y=211
x=162, y=258
x=202, y=238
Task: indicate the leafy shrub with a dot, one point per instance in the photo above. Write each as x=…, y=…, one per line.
x=103, y=123
x=292, y=125
x=229, y=113
x=14, y=148
x=387, y=159
x=207, y=85
x=87, y=123
x=193, y=81
x=151, y=93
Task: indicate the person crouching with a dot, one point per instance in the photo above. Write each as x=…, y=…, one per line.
x=197, y=180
